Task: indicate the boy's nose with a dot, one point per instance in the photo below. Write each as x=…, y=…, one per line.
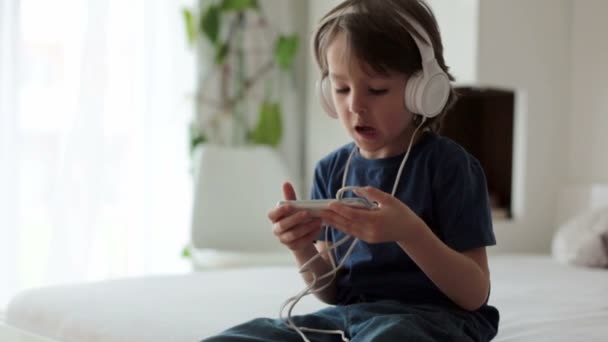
x=357, y=105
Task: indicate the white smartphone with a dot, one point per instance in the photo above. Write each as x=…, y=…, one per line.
x=315, y=206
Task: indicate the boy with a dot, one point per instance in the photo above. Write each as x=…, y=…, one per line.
x=419, y=270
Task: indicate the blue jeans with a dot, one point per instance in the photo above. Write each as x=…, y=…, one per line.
x=369, y=321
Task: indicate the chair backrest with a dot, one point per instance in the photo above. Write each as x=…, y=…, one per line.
x=235, y=187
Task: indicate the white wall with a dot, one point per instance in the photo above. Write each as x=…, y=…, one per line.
x=526, y=45
x=459, y=23
x=589, y=118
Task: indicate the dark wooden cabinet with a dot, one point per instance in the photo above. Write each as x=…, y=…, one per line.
x=482, y=122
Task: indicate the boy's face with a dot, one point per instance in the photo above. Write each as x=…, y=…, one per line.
x=371, y=106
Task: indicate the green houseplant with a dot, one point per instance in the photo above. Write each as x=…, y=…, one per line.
x=240, y=73
x=244, y=66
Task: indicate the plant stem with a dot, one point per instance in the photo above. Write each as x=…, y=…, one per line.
x=248, y=83
x=225, y=79
x=239, y=117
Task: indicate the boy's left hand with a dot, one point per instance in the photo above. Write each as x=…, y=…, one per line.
x=392, y=221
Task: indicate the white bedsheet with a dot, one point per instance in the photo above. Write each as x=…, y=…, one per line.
x=165, y=308
x=539, y=300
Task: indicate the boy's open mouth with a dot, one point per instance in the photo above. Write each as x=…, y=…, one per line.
x=366, y=131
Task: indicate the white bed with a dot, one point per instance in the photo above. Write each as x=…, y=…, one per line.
x=539, y=300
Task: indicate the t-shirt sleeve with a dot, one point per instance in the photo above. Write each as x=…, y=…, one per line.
x=462, y=206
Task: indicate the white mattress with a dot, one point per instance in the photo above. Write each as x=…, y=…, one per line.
x=165, y=308
x=539, y=300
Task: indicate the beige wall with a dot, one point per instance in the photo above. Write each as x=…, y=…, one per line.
x=459, y=23
x=526, y=45
x=588, y=161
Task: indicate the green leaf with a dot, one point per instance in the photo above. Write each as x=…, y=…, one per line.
x=220, y=53
x=285, y=50
x=269, y=129
x=239, y=5
x=197, y=140
x=190, y=28
x=186, y=252
x=210, y=23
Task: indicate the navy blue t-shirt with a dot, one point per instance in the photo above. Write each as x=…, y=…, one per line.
x=443, y=184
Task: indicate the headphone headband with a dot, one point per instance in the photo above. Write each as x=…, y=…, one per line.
x=427, y=52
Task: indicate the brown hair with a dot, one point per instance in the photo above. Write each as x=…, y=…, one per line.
x=381, y=38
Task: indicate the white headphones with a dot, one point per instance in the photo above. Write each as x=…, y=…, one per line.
x=426, y=92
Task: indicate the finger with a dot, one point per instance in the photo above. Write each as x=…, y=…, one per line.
x=306, y=239
x=288, y=192
x=373, y=194
x=350, y=213
x=279, y=212
x=291, y=221
x=334, y=219
x=300, y=231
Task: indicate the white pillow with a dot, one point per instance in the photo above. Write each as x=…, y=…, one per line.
x=583, y=240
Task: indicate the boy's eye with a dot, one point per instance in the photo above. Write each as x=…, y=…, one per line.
x=378, y=91
x=371, y=90
x=342, y=90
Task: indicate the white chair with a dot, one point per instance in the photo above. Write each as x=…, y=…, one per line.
x=235, y=187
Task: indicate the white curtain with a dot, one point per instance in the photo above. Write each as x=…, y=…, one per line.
x=94, y=164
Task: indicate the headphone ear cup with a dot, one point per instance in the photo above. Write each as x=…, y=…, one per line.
x=427, y=94
x=327, y=101
x=434, y=94
x=411, y=89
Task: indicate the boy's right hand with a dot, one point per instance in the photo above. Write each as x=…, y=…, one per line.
x=295, y=229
